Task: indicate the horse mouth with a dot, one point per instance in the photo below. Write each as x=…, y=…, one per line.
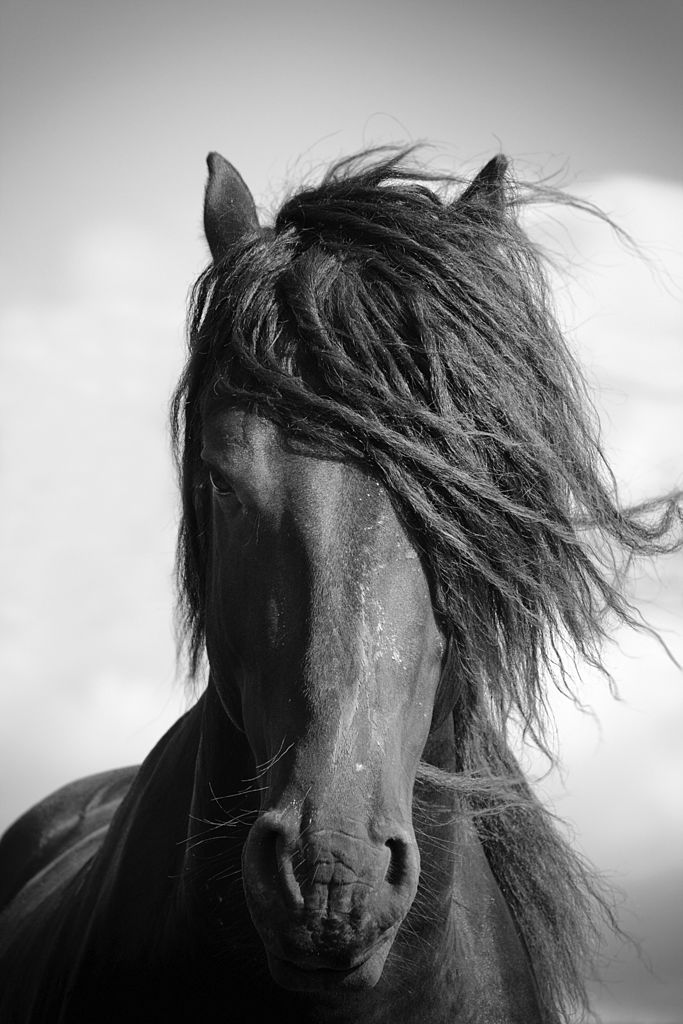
x=307, y=975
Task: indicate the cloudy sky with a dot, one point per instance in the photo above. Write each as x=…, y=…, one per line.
x=107, y=113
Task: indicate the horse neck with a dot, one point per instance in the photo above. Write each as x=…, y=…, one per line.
x=223, y=774
x=459, y=942
x=480, y=961
x=223, y=807
x=142, y=854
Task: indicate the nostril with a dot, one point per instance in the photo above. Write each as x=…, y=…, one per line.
x=263, y=853
x=398, y=861
x=268, y=862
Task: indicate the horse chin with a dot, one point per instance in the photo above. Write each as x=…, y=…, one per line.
x=305, y=977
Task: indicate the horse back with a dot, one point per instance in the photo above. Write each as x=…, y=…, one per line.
x=70, y=819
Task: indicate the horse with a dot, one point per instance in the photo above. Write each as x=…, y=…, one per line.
x=396, y=521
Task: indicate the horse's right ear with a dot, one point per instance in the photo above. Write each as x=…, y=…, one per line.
x=229, y=210
x=484, y=197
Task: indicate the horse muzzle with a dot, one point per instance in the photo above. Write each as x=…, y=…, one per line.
x=326, y=904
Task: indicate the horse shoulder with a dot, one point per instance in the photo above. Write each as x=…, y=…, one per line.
x=71, y=817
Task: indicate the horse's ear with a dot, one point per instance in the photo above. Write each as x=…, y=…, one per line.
x=484, y=198
x=229, y=210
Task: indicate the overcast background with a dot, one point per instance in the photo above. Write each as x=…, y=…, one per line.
x=108, y=111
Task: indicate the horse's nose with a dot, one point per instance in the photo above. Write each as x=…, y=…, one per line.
x=324, y=872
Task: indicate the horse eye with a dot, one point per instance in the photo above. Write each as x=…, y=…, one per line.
x=219, y=483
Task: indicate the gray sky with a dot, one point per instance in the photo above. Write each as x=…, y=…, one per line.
x=107, y=107
x=107, y=112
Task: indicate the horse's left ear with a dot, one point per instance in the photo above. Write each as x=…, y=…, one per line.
x=485, y=196
x=229, y=209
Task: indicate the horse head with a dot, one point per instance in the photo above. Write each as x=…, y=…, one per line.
x=326, y=653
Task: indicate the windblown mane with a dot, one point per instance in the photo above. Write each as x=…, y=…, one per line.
x=378, y=320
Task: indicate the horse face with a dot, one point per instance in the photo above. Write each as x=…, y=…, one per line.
x=325, y=651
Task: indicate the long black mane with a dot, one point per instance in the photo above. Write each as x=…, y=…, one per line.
x=382, y=321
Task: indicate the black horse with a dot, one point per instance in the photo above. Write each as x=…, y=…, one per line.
x=396, y=516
